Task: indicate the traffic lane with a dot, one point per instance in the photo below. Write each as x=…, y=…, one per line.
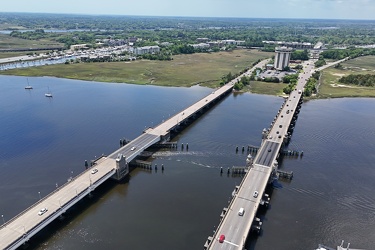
x=28, y=220
x=239, y=226
x=257, y=179
x=137, y=143
x=267, y=153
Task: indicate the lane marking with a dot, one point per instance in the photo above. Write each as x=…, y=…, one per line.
x=231, y=243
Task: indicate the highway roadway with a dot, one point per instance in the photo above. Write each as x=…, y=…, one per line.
x=24, y=223
x=169, y=124
x=164, y=128
x=234, y=227
x=136, y=146
x=20, y=228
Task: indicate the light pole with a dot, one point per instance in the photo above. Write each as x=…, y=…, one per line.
x=2, y=216
x=39, y=196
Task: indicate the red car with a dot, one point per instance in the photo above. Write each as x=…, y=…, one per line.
x=222, y=238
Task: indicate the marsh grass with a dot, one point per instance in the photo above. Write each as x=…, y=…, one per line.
x=205, y=69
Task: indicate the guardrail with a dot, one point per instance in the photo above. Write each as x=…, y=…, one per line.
x=191, y=106
x=52, y=216
x=43, y=199
x=229, y=205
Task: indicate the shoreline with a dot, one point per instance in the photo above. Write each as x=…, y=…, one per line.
x=208, y=70
x=319, y=97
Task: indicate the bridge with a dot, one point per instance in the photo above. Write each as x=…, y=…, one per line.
x=23, y=226
x=234, y=227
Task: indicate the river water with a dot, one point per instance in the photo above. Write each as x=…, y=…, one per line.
x=44, y=141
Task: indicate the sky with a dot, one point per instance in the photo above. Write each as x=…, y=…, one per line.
x=317, y=9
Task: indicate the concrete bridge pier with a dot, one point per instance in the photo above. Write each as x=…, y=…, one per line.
x=122, y=167
x=165, y=138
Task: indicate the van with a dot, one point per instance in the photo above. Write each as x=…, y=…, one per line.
x=241, y=211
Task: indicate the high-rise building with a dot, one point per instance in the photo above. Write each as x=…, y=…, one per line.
x=282, y=57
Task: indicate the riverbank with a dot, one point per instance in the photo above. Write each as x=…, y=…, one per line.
x=205, y=69
x=330, y=87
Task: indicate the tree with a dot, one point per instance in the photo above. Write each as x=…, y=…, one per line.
x=245, y=80
x=238, y=86
x=299, y=66
x=286, y=68
x=320, y=63
x=300, y=55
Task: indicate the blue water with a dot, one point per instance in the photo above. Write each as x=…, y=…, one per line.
x=44, y=141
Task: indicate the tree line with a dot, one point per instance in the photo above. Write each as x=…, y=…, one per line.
x=338, y=54
x=251, y=30
x=366, y=80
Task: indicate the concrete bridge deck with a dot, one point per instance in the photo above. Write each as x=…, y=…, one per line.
x=234, y=227
x=22, y=227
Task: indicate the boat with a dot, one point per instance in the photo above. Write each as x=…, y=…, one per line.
x=48, y=94
x=341, y=247
x=28, y=85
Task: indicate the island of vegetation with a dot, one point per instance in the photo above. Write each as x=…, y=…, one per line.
x=182, y=51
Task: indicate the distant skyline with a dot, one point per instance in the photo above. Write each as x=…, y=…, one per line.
x=317, y=9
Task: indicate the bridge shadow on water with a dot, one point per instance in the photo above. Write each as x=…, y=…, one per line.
x=73, y=213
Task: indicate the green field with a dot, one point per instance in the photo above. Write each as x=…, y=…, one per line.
x=184, y=70
x=331, y=88
x=266, y=88
x=7, y=42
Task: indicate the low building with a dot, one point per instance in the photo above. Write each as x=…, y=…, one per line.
x=214, y=44
x=78, y=47
x=146, y=50
x=200, y=46
x=295, y=45
x=202, y=40
x=166, y=44
x=231, y=42
x=132, y=39
x=269, y=67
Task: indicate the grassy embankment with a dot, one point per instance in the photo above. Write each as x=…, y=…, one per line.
x=184, y=70
x=7, y=42
x=331, y=88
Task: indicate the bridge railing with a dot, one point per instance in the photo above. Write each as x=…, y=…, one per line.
x=55, y=213
x=43, y=199
x=185, y=117
x=229, y=205
x=36, y=228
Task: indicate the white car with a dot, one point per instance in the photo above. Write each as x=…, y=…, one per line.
x=94, y=171
x=42, y=211
x=255, y=194
x=132, y=149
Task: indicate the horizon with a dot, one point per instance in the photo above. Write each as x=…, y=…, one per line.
x=171, y=16
x=278, y=9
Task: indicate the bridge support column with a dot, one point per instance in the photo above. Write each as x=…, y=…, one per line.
x=122, y=167
x=166, y=137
